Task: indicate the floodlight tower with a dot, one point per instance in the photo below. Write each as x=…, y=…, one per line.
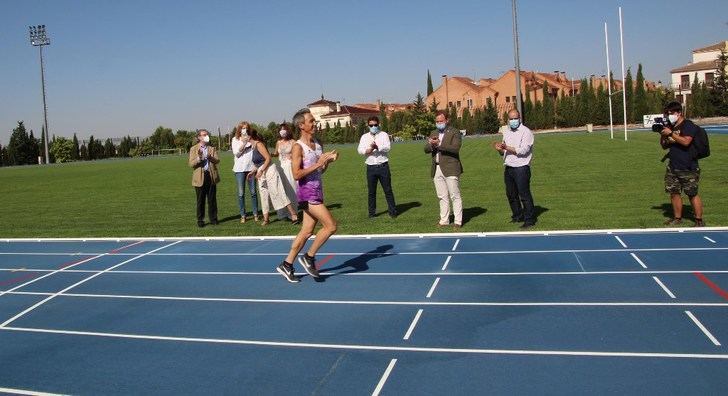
x=39, y=38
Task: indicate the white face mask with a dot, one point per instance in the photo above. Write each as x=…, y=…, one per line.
x=244, y=131
x=283, y=133
x=206, y=139
x=672, y=118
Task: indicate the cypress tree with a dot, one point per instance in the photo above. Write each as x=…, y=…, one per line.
x=640, y=96
x=719, y=90
x=75, y=155
x=429, y=83
x=629, y=93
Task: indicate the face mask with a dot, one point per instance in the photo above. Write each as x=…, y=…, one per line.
x=244, y=132
x=672, y=118
x=206, y=139
x=373, y=130
x=514, y=124
x=283, y=133
x=440, y=126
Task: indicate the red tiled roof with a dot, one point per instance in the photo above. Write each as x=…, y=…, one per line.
x=322, y=102
x=346, y=110
x=697, y=66
x=714, y=47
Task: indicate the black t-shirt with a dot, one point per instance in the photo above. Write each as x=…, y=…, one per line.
x=680, y=156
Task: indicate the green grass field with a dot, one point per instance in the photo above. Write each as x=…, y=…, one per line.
x=580, y=181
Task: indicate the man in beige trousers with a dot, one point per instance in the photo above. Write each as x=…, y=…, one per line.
x=444, y=146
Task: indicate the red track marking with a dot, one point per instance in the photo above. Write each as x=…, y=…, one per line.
x=711, y=285
x=125, y=247
x=323, y=261
x=62, y=266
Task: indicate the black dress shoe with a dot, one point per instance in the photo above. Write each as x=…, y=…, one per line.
x=516, y=220
x=200, y=224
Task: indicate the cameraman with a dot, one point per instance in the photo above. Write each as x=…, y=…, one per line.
x=683, y=172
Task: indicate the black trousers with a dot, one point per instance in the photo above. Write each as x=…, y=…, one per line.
x=518, y=191
x=207, y=191
x=381, y=174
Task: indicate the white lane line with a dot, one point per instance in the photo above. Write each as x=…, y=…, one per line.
x=378, y=347
x=634, y=256
x=434, y=285
x=388, y=371
x=396, y=303
x=662, y=285
x=51, y=273
x=365, y=274
x=26, y=392
x=621, y=242
x=579, y=261
x=444, y=266
x=412, y=326
x=710, y=240
x=455, y=246
x=705, y=331
x=14, y=318
x=430, y=253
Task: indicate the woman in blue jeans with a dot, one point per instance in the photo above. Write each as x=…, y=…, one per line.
x=243, y=165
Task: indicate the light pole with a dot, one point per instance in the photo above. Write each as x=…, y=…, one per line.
x=39, y=38
x=447, y=98
x=515, y=55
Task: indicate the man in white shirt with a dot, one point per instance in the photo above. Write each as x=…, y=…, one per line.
x=374, y=146
x=517, y=151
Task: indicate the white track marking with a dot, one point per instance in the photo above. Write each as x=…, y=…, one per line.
x=447, y=261
x=399, y=303
x=388, y=371
x=634, y=256
x=455, y=246
x=624, y=245
x=26, y=392
x=38, y=304
x=710, y=240
x=434, y=285
x=378, y=347
x=52, y=272
x=705, y=331
x=412, y=325
x=662, y=285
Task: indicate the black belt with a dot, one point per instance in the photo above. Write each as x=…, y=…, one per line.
x=382, y=164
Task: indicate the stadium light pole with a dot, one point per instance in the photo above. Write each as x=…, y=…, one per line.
x=624, y=88
x=515, y=55
x=39, y=38
x=609, y=83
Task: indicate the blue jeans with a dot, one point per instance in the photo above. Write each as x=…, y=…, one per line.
x=518, y=191
x=241, y=177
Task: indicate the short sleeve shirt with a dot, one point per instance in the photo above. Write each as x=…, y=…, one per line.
x=680, y=156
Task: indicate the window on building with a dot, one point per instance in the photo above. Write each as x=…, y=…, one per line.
x=458, y=104
x=685, y=81
x=508, y=99
x=679, y=98
x=513, y=99
x=709, y=79
x=470, y=103
x=449, y=104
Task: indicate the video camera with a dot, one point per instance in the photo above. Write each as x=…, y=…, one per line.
x=660, y=123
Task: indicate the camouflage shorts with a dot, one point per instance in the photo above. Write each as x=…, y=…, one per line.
x=686, y=181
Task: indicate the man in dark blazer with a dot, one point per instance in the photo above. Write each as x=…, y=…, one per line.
x=203, y=160
x=444, y=146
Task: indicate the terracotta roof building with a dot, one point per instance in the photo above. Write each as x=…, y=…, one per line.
x=329, y=113
x=703, y=67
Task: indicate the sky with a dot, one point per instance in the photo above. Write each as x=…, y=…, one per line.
x=117, y=68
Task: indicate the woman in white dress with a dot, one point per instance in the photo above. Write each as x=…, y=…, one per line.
x=283, y=149
x=269, y=180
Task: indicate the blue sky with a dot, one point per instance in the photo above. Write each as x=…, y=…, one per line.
x=125, y=67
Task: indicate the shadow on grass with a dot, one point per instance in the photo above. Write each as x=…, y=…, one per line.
x=334, y=206
x=401, y=208
x=356, y=264
x=538, y=211
x=229, y=218
x=666, y=209
x=471, y=213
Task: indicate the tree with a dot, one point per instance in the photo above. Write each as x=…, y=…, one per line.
x=34, y=147
x=418, y=106
x=62, y=149
x=548, y=107
x=4, y=156
x=83, y=152
x=433, y=105
x=109, y=149
x=75, y=155
x=429, y=83
x=719, y=90
x=163, y=138
x=640, y=96
x=629, y=95
x=383, y=121
x=19, y=147
x=491, y=123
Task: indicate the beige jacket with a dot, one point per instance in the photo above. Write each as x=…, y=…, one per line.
x=198, y=172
